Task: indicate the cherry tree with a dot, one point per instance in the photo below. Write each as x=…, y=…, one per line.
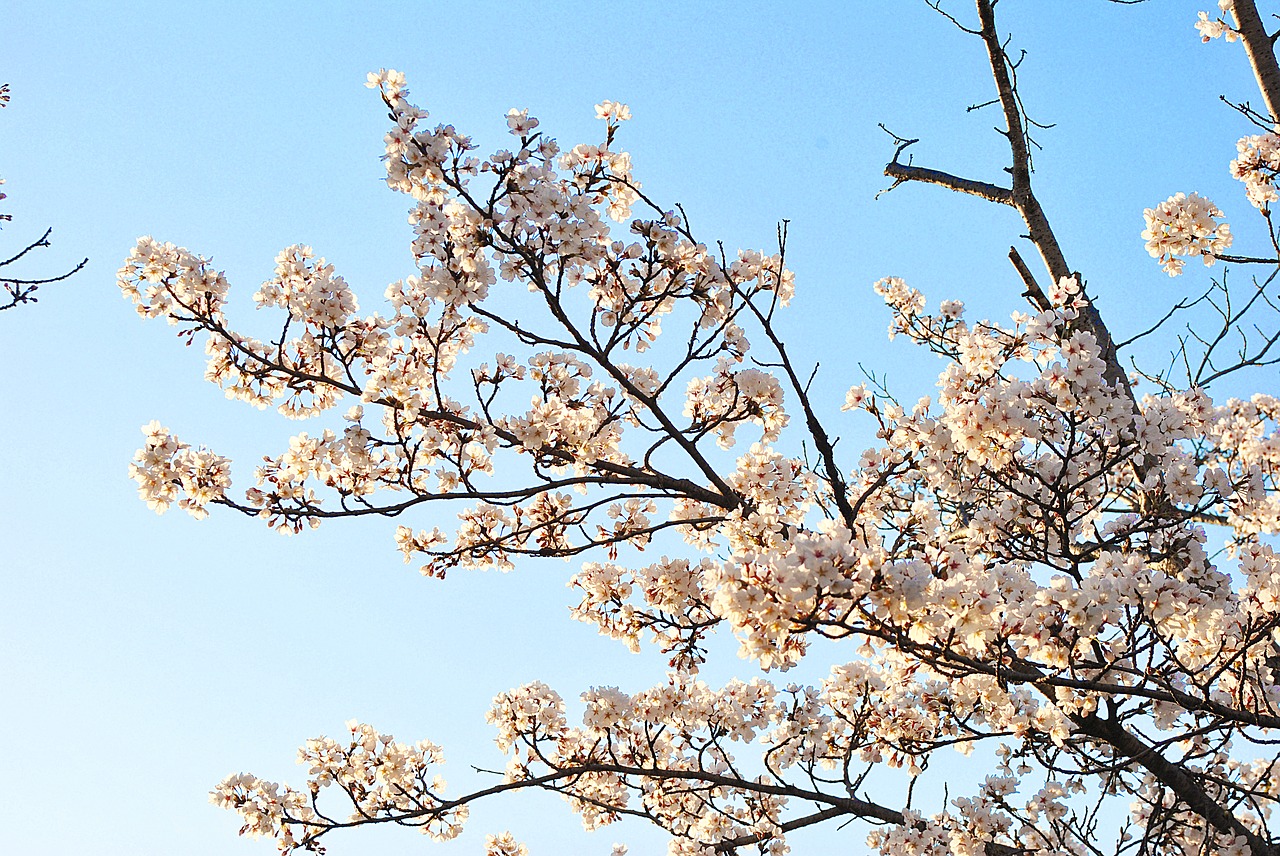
x=1034, y=565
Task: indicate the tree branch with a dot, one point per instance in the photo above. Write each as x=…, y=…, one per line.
x=1038, y=228
x=1258, y=45
x=902, y=173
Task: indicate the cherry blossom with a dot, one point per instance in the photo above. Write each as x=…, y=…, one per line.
x=1031, y=567
x=1257, y=164
x=1185, y=225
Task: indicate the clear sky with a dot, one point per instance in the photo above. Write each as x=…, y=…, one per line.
x=143, y=658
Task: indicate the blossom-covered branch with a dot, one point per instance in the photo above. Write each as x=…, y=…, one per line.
x=1018, y=566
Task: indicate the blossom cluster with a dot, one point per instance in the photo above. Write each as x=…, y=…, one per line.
x=1257, y=163
x=169, y=471
x=1183, y=226
x=165, y=281
x=379, y=777
x=952, y=584
x=1019, y=560
x=542, y=225
x=731, y=397
x=1218, y=26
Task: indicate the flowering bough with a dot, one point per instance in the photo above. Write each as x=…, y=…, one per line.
x=1020, y=564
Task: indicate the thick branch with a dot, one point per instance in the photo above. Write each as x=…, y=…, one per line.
x=1258, y=46
x=1171, y=776
x=846, y=806
x=1025, y=201
x=901, y=172
x=1034, y=292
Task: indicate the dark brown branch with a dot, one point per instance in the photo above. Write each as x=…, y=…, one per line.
x=23, y=290
x=1038, y=229
x=839, y=490
x=847, y=806
x=1177, y=307
x=902, y=173
x=42, y=241
x=1246, y=260
x=1023, y=199
x=733, y=844
x=1033, y=293
x=631, y=474
x=1172, y=776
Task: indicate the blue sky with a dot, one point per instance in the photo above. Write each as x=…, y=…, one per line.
x=142, y=657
